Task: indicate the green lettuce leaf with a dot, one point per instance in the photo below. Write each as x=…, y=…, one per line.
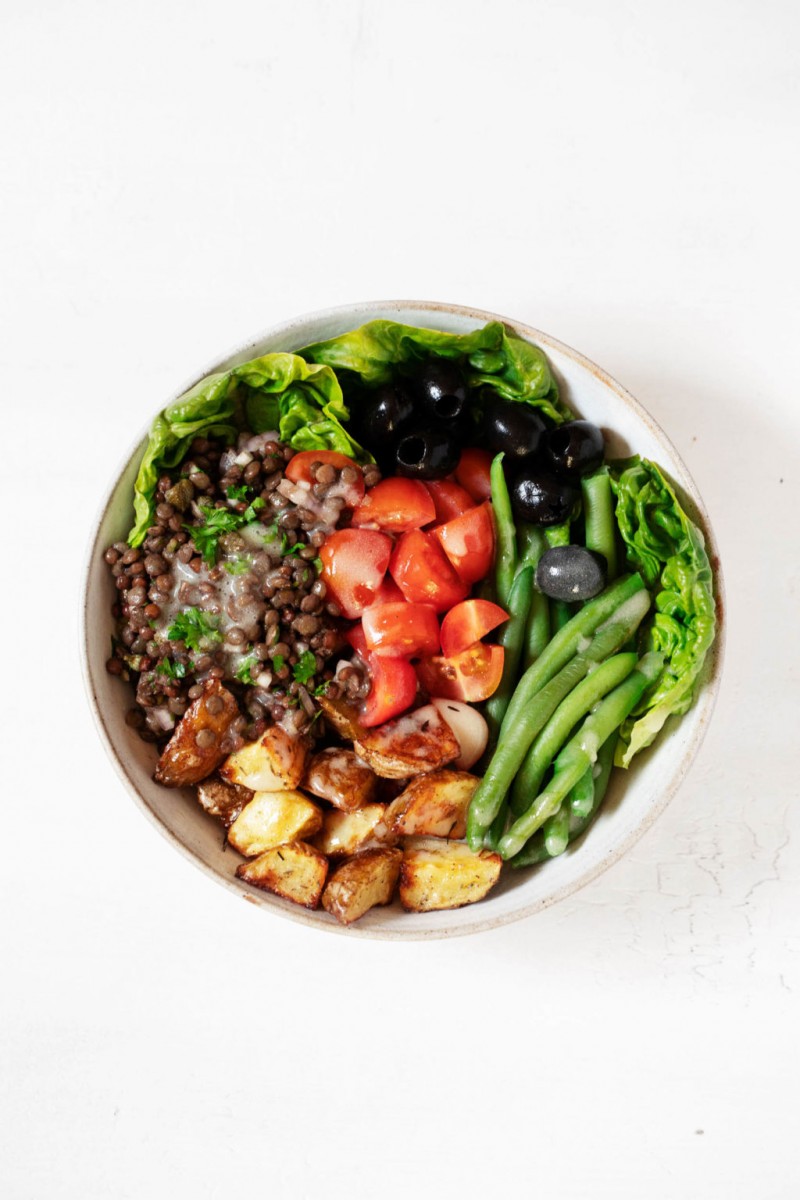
x=668, y=550
x=302, y=400
x=511, y=367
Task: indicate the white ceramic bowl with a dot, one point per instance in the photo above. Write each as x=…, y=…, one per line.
x=635, y=797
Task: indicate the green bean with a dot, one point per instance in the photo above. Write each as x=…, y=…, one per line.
x=537, y=630
x=556, y=832
x=598, y=512
x=511, y=637
x=535, y=849
x=581, y=751
x=506, y=555
x=531, y=544
x=580, y=820
x=581, y=798
x=610, y=618
x=555, y=733
x=497, y=828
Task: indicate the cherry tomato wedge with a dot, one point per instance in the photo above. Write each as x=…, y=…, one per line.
x=450, y=499
x=354, y=563
x=393, y=683
x=423, y=573
x=467, y=623
x=400, y=629
x=396, y=505
x=472, y=675
x=472, y=473
x=468, y=541
x=298, y=469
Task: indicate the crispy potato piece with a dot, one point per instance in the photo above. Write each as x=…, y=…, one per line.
x=343, y=717
x=183, y=761
x=433, y=805
x=223, y=800
x=361, y=883
x=339, y=776
x=345, y=833
x=274, y=763
x=272, y=818
x=417, y=742
x=295, y=871
x=436, y=874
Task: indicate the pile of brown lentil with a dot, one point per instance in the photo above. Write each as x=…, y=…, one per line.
x=264, y=624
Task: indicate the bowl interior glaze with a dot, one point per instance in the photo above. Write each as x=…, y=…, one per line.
x=635, y=797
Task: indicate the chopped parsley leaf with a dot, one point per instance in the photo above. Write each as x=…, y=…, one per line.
x=237, y=492
x=322, y=688
x=244, y=671
x=193, y=627
x=172, y=668
x=216, y=522
x=305, y=668
x=249, y=513
x=239, y=565
x=279, y=662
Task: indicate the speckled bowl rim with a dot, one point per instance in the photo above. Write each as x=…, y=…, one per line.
x=704, y=705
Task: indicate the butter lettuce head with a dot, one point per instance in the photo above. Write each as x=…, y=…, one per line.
x=668, y=550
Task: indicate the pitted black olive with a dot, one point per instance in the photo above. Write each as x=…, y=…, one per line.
x=571, y=573
x=574, y=449
x=542, y=499
x=427, y=453
x=439, y=386
x=511, y=426
x=384, y=413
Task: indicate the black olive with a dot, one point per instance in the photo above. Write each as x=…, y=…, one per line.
x=542, y=499
x=427, y=453
x=575, y=448
x=439, y=386
x=383, y=413
x=510, y=426
x=571, y=573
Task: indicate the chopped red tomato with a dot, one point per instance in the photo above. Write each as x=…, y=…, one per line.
x=388, y=592
x=393, y=683
x=354, y=563
x=298, y=469
x=468, y=541
x=400, y=629
x=450, y=499
x=472, y=473
x=467, y=623
x=472, y=675
x=396, y=505
x=423, y=573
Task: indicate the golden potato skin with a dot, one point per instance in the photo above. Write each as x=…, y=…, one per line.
x=223, y=800
x=274, y=763
x=338, y=776
x=346, y=833
x=272, y=818
x=183, y=761
x=433, y=805
x=342, y=717
x=361, y=883
x=436, y=875
x=295, y=871
x=417, y=742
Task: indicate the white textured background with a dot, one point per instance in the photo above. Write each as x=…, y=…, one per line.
x=176, y=176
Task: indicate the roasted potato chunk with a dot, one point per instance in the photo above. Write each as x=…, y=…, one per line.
x=345, y=833
x=417, y=742
x=294, y=870
x=223, y=800
x=339, y=776
x=186, y=758
x=436, y=874
x=274, y=763
x=433, y=805
x=272, y=818
x=343, y=717
x=361, y=883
